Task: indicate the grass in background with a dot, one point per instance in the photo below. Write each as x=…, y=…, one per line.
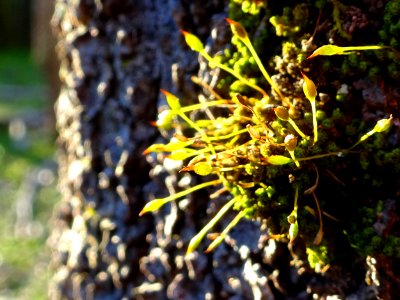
x=27, y=162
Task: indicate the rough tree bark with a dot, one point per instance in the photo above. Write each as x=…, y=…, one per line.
x=115, y=56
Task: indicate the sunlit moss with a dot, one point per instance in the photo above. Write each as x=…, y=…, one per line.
x=264, y=149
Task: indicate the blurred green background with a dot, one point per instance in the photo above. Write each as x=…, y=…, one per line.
x=27, y=147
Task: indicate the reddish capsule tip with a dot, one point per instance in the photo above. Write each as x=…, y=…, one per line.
x=230, y=21
x=183, y=32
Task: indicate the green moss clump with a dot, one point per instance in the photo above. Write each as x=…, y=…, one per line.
x=275, y=140
x=317, y=257
x=389, y=30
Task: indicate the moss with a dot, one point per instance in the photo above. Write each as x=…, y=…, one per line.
x=389, y=30
x=317, y=257
x=249, y=6
x=392, y=246
x=265, y=176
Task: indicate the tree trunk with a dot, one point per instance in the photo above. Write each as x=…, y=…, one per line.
x=115, y=56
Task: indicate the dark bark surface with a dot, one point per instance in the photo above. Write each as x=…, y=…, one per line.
x=115, y=56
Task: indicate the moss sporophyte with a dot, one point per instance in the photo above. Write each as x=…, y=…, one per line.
x=248, y=148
